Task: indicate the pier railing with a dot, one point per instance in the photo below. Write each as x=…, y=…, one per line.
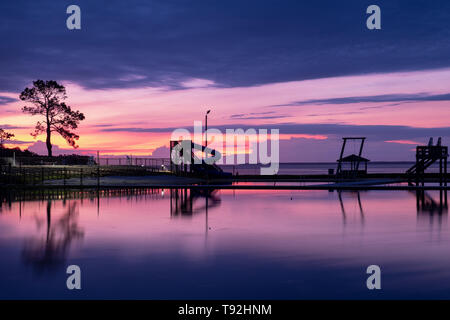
x=155, y=163
x=41, y=175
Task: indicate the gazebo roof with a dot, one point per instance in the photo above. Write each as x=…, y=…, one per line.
x=354, y=158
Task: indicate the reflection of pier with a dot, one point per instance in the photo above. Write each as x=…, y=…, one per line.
x=7, y=198
x=183, y=201
x=429, y=209
x=355, y=194
x=14, y=195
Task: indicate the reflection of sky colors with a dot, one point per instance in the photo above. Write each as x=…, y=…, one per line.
x=296, y=243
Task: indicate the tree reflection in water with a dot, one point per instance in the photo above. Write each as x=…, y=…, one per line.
x=49, y=252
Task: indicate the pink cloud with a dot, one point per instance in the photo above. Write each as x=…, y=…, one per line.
x=160, y=107
x=404, y=142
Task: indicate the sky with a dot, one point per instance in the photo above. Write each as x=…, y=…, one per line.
x=140, y=69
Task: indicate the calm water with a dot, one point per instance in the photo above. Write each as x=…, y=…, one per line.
x=230, y=245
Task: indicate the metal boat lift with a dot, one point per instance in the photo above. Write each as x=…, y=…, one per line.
x=357, y=159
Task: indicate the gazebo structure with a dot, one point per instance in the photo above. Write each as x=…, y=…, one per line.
x=351, y=165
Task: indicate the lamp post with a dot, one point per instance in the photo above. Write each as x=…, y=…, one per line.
x=206, y=144
x=206, y=127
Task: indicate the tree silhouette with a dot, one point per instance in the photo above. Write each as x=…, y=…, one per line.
x=47, y=99
x=4, y=135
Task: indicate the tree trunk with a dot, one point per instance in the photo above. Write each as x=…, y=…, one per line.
x=48, y=141
x=49, y=145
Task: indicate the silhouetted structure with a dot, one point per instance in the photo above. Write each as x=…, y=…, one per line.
x=353, y=161
x=425, y=157
x=190, y=163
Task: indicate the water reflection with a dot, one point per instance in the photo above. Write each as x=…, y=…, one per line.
x=231, y=244
x=45, y=253
x=186, y=202
x=355, y=195
x=430, y=210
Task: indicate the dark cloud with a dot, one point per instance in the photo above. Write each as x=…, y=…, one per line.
x=18, y=142
x=373, y=132
x=233, y=43
x=257, y=116
x=262, y=117
x=6, y=100
x=372, y=99
x=103, y=125
x=251, y=114
x=333, y=114
x=9, y=127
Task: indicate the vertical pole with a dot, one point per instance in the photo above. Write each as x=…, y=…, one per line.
x=360, y=152
x=170, y=157
x=206, y=130
x=340, y=157
x=361, y=147
x=417, y=166
x=206, y=144
x=98, y=157
x=98, y=176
